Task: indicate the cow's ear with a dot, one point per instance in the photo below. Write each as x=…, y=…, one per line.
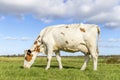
x=28, y=51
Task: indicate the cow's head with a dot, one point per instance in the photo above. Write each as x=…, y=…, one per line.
x=30, y=55
x=29, y=58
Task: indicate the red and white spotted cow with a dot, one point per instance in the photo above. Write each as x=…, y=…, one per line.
x=69, y=38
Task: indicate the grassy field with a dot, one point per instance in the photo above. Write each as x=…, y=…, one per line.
x=11, y=69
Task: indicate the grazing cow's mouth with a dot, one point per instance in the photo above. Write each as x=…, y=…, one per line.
x=26, y=67
x=26, y=64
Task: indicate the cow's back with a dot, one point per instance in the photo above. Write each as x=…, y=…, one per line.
x=68, y=32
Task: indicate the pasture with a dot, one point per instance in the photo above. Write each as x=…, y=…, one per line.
x=11, y=69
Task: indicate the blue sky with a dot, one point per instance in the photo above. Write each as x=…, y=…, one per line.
x=21, y=22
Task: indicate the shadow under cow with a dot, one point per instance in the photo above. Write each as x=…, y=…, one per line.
x=54, y=66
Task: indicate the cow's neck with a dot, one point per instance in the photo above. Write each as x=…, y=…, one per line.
x=36, y=46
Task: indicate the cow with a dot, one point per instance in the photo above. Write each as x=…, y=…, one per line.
x=67, y=37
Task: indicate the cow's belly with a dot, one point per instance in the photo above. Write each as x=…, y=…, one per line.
x=72, y=47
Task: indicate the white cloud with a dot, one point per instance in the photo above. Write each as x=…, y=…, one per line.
x=10, y=38
x=17, y=38
x=112, y=24
x=93, y=11
x=46, y=20
x=110, y=43
x=109, y=46
x=114, y=40
x=85, y=8
x=25, y=38
x=110, y=40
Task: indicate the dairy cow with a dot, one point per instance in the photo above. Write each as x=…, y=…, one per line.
x=66, y=37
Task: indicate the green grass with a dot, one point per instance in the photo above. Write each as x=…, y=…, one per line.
x=11, y=69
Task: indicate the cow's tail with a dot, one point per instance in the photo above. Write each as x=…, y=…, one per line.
x=98, y=32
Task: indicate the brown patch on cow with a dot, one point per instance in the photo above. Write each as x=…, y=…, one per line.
x=29, y=57
x=66, y=27
x=82, y=29
x=37, y=48
x=62, y=33
x=66, y=42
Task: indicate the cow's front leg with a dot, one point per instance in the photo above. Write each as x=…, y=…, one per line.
x=49, y=57
x=49, y=51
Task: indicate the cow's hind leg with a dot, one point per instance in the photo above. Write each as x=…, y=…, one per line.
x=92, y=47
x=58, y=59
x=94, y=56
x=95, y=60
x=87, y=58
